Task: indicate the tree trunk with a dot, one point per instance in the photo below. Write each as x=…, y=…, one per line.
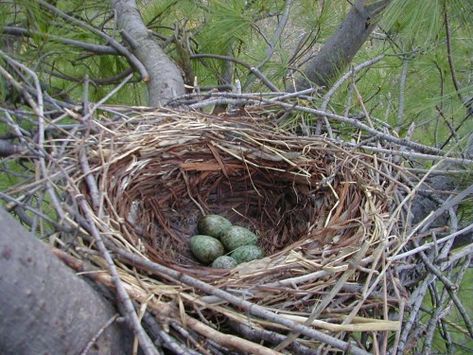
x=45, y=308
x=340, y=49
x=165, y=80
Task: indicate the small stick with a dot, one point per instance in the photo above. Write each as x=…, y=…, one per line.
x=145, y=341
x=328, y=96
x=120, y=48
x=247, y=306
x=99, y=333
x=252, y=69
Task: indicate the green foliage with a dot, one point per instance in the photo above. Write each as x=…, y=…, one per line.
x=453, y=323
x=410, y=30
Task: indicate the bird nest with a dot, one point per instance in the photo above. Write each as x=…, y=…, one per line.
x=140, y=182
x=303, y=197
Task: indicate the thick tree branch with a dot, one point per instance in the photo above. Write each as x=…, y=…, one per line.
x=340, y=49
x=7, y=148
x=166, y=80
x=40, y=294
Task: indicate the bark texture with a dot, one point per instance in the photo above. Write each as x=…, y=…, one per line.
x=45, y=308
x=165, y=78
x=340, y=49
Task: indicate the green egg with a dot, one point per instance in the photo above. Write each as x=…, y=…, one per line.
x=236, y=236
x=247, y=253
x=213, y=225
x=205, y=248
x=224, y=262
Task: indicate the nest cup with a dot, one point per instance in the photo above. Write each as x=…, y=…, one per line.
x=320, y=209
x=296, y=193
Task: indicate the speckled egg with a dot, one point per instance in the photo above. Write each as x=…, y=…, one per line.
x=224, y=262
x=247, y=253
x=236, y=236
x=213, y=225
x=205, y=248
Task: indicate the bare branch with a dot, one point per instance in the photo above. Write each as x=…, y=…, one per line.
x=449, y=54
x=252, y=69
x=165, y=80
x=241, y=99
x=118, y=47
x=247, y=306
x=95, y=48
x=402, y=87
x=340, y=49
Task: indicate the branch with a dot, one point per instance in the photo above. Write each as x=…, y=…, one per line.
x=449, y=54
x=7, y=148
x=105, y=81
x=276, y=38
x=252, y=69
x=118, y=47
x=239, y=99
x=249, y=307
x=96, y=48
x=349, y=74
x=342, y=46
x=130, y=313
x=165, y=80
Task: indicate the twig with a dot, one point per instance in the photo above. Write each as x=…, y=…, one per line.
x=165, y=338
x=18, y=86
x=465, y=251
x=449, y=54
x=294, y=94
x=247, y=306
x=134, y=322
x=451, y=202
x=275, y=39
x=120, y=48
x=234, y=99
x=436, y=271
x=453, y=131
x=415, y=155
x=416, y=301
x=349, y=74
x=316, y=311
x=252, y=69
x=38, y=109
x=90, y=179
x=227, y=340
x=402, y=87
x=188, y=336
x=277, y=34
x=271, y=337
x=431, y=244
x=105, y=99
x=99, y=333
x=95, y=48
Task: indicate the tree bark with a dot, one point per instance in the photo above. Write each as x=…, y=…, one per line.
x=340, y=49
x=45, y=308
x=165, y=82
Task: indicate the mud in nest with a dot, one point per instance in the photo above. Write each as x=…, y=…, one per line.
x=299, y=194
